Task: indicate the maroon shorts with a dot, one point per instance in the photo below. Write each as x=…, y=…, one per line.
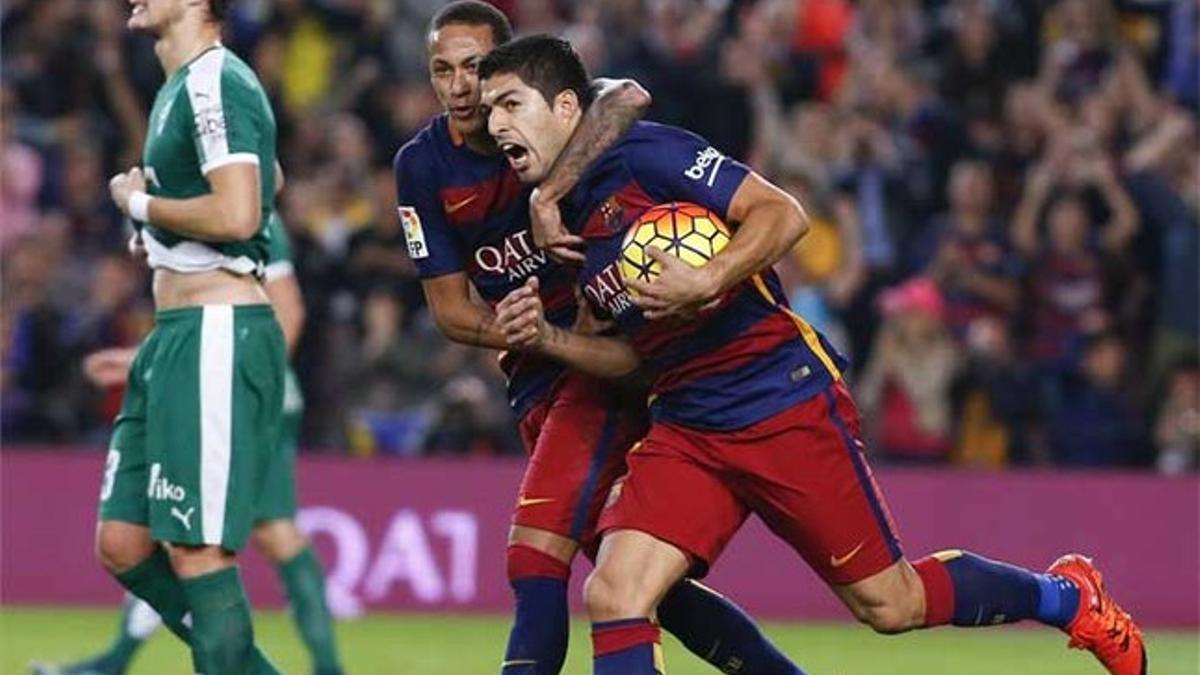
x=802, y=471
x=577, y=439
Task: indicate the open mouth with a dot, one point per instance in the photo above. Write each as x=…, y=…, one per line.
x=518, y=155
x=462, y=111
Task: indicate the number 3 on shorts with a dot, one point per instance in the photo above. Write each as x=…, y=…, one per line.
x=110, y=473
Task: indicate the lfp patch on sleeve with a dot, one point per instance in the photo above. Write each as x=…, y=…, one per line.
x=414, y=235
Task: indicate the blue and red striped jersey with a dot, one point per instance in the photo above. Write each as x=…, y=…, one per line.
x=737, y=364
x=463, y=211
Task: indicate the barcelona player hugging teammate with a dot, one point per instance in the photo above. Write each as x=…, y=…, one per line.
x=466, y=224
x=749, y=411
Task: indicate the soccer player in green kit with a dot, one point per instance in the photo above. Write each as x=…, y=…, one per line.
x=194, y=440
x=275, y=533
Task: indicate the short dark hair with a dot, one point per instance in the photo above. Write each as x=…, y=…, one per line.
x=218, y=8
x=474, y=13
x=546, y=63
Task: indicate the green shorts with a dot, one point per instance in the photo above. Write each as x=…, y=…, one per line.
x=199, y=425
x=277, y=501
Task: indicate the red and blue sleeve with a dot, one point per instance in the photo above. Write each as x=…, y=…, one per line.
x=430, y=242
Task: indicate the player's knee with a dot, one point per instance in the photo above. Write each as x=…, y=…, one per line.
x=529, y=543
x=888, y=615
x=886, y=620
x=609, y=597
x=279, y=540
x=600, y=597
x=194, y=561
x=120, y=548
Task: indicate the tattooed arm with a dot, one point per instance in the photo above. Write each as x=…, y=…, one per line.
x=459, y=317
x=522, y=320
x=618, y=104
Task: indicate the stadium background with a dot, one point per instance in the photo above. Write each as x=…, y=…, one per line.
x=1006, y=242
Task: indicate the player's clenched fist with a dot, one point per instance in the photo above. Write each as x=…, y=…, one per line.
x=123, y=185
x=521, y=317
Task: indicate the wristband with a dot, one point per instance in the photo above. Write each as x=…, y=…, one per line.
x=139, y=206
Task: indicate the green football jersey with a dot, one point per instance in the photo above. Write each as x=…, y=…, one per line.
x=210, y=113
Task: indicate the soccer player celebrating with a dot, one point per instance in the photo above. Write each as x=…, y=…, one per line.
x=750, y=412
x=275, y=532
x=466, y=224
x=201, y=414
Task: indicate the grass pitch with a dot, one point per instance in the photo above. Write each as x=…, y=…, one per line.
x=471, y=645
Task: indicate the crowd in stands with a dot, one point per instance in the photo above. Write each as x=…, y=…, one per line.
x=1005, y=204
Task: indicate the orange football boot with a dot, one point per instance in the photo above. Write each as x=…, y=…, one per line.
x=1100, y=625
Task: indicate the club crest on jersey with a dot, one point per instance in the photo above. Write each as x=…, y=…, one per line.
x=612, y=212
x=414, y=235
x=516, y=257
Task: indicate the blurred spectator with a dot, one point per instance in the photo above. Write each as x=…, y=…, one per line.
x=39, y=361
x=1183, y=61
x=887, y=30
x=1164, y=178
x=1067, y=263
x=819, y=45
x=974, y=74
x=1177, y=429
x=998, y=412
x=467, y=421
x=1082, y=46
x=1096, y=424
x=20, y=176
x=967, y=253
x=96, y=223
x=118, y=313
x=897, y=105
x=377, y=257
x=869, y=168
x=906, y=385
x=346, y=183
x=1028, y=122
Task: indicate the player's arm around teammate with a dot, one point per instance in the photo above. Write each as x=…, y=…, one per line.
x=618, y=105
x=549, y=233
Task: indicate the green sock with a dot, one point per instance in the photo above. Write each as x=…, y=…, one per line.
x=304, y=580
x=154, y=581
x=222, y=634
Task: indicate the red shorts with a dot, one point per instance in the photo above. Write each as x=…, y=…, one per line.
x=577, y=439
x=802, y=471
